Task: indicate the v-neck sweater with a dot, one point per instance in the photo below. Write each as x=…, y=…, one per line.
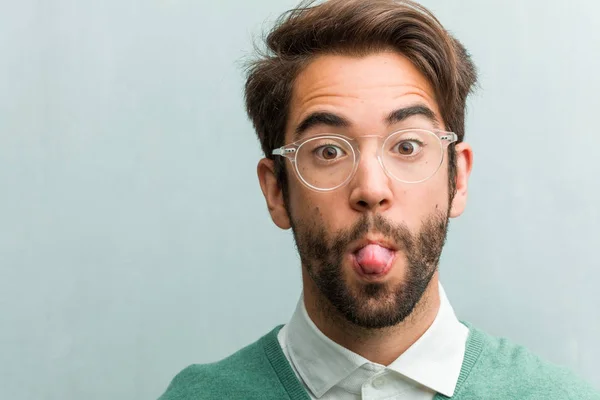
x=492, y=368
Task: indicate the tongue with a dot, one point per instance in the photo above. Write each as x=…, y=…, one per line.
x=373, y=259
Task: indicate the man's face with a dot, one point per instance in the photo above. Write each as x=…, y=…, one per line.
x=372, y=246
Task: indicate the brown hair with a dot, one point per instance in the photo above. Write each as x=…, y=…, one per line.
x=355, y=27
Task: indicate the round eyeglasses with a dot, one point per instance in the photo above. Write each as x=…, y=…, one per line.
x=327, y=162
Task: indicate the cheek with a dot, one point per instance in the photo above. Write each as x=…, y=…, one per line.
x=437, y=190
x=305, y=204
x=319, y=210
x=435, y=197
x=416, y=202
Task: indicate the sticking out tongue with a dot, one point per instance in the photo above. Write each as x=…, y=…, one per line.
x=373, y=259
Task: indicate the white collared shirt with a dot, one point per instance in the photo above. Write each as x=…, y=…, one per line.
x=329, y=371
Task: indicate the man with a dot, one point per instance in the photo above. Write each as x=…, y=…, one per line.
x=359, y=107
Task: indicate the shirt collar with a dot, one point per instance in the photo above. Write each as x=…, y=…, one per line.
x=434, y=360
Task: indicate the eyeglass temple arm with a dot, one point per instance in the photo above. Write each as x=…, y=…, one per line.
x=451, y=137
x=282, y=151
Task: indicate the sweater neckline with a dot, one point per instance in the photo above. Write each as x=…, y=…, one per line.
x=474, y=346
x=296, y=391
x=282, y=367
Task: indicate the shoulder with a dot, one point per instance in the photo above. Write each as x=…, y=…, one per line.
x=235, y=377
x=506, y=367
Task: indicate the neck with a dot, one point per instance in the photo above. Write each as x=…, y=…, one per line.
x=382, y=345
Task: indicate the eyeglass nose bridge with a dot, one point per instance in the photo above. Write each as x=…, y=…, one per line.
x=359, y=154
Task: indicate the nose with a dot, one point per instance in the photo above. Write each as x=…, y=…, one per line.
x=370, y=186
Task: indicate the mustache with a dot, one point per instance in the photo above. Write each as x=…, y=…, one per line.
x=399, y=233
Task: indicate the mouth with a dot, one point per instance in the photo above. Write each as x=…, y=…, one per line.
x=373, y=259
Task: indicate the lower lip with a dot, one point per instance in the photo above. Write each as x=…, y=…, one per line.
x=372, y=277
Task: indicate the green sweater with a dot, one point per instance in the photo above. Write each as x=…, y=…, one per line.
x=493, y=368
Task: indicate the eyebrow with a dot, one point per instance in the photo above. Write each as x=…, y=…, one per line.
x=325, y=118
x=401, y=114
x=320, y=118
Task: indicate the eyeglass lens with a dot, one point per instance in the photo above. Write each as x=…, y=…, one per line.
x=326, y=162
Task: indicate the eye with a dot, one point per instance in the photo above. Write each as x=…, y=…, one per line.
x=329, y=152
x=408, y=147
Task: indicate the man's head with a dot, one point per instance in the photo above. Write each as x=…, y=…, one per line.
x=351, y=68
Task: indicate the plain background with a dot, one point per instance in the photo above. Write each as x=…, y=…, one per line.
x=134, y=239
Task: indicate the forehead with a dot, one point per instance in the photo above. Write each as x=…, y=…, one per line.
x=363, y=89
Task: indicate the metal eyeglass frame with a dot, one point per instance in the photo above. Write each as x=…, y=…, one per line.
x=290, y=151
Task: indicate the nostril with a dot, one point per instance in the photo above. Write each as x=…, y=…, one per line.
x=363, y=204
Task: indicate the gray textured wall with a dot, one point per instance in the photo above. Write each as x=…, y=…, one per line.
x=134, y=239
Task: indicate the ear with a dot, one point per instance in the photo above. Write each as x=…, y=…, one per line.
x=273, y=193
x=464, y=164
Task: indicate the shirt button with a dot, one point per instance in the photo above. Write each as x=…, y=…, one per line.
x=378, y=382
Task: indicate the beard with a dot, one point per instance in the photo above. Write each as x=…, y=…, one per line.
x=372, y=305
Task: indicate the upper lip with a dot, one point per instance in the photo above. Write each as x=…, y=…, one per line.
x=359, y=244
